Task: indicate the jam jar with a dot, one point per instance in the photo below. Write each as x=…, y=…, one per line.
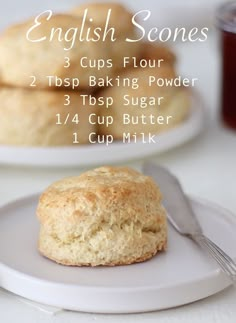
x=226, y=22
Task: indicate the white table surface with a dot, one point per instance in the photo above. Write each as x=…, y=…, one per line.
x=206, y=167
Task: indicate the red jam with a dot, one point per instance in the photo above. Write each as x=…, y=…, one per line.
x=227, y=24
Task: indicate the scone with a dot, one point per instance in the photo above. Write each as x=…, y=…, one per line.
x=40, y=118
x=107, y=216
x=24, y=63
x=158, y=51
x=121, y=21
x=148, y=109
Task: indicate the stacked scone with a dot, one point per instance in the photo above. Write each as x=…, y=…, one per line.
x=41, y=103
x=120, y=20
x=33, y=112
x=43, y=82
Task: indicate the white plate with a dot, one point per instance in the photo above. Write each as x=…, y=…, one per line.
x=182, y=275
x=95, y=154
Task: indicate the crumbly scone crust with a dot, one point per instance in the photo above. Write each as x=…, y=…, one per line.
x=107, y=216
x=47, y=58
x=28, y=118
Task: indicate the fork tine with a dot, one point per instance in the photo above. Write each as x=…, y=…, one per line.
x=229, y=260
x=216, y=256
x=220, y=259
x=226, y=263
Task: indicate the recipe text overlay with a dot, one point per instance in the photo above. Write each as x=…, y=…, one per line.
x=91, y=97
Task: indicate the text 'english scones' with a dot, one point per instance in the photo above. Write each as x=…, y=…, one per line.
x=107, y=216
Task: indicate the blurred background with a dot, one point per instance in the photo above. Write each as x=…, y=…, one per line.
x=197, y=163
x=168, y=12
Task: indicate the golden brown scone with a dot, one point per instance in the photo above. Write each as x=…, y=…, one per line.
x=20, y=59
x=121, y=20
x=106, y=216
x=169, y=108
x=157, y=51
x=28, y=118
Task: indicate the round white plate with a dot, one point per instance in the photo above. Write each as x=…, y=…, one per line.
x=179, y=276
x=95, y=154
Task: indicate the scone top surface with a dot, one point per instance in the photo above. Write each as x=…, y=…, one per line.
x=107, y=216
x=41, y=50
x=120, y=17
x=94, y=192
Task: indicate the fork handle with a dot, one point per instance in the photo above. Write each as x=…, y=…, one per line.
x=226, y=263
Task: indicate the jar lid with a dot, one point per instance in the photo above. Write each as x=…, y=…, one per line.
x=226, y=17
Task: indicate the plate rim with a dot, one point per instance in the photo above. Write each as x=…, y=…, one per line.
x=227, y=214
x=100, y=295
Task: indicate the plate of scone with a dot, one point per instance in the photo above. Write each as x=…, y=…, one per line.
x=99, y=242
x=68, y=101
